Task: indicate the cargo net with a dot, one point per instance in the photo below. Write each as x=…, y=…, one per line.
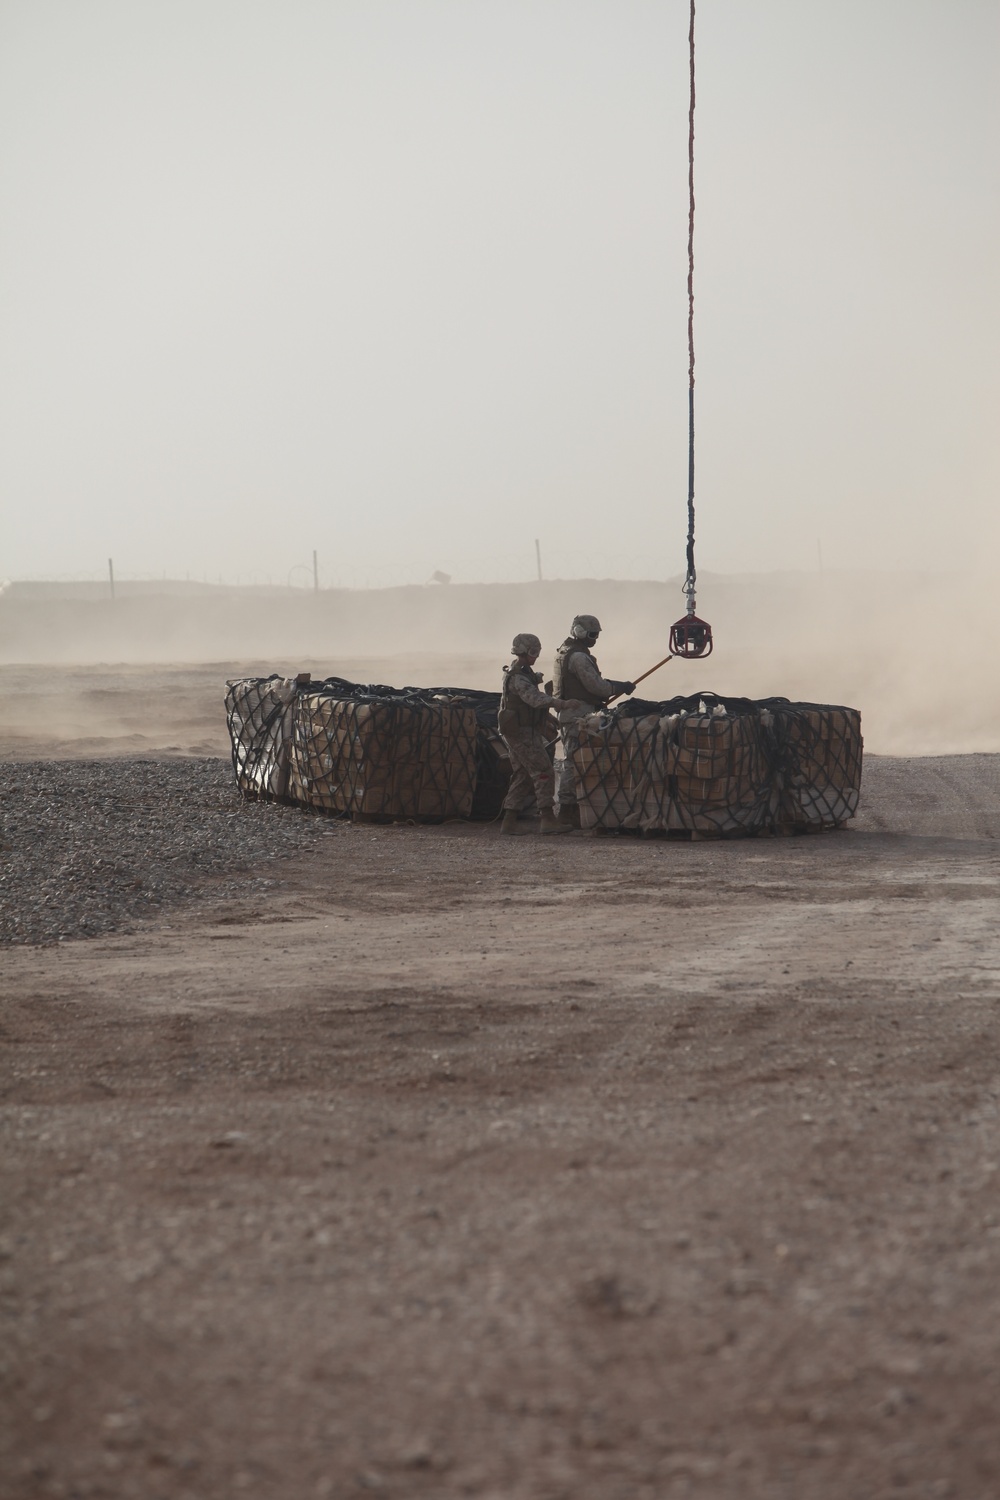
x=713, y=766
x=704, y=765
x=368, y=750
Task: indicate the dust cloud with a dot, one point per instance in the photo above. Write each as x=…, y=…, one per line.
x=83, y=674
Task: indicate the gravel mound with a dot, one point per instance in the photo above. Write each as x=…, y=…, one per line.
x=89, y=847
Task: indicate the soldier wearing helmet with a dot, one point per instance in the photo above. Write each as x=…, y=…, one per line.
x=577, y=680
x=524, y=713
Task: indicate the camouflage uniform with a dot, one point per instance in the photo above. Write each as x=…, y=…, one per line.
x=577, y=678
x=524, y=711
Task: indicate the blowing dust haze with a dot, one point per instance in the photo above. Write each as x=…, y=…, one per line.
x=407, y=1094
x=405, y=285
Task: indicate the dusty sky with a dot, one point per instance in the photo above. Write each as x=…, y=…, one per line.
x=403, y=280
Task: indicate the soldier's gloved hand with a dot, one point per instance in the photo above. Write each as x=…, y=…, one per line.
x=623, y=687
x=560, y=703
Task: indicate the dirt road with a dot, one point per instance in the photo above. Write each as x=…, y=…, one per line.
x=520, y=1169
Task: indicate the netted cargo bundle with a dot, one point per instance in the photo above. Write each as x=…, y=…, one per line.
x=259, y=713
x=368, y=750
x=713, y=766
x=717, y=774
x=383, y=759
x=699, y=769
x=817, y=756
x=703, y=765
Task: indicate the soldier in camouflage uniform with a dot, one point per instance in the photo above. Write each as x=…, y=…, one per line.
x=578, y=682
x=524, y=711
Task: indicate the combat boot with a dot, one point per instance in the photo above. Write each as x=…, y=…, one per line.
x=509, y=824
x=569, y=815
x=549, y=823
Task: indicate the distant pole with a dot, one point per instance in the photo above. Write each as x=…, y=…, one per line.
x=111, y=576
x=538, y=559
x=315, y=572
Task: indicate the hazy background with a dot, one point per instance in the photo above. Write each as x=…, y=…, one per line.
x=403, y=281
x=924, y=679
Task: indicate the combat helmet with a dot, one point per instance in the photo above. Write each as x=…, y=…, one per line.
x=584, y=626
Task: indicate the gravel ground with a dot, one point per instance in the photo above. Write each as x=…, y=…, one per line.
x=95, y=846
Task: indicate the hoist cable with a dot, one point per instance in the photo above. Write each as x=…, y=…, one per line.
x=691, y=578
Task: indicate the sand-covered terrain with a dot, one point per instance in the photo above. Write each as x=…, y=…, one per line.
x=418, y=1162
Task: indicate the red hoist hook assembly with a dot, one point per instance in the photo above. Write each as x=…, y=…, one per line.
x=691, y=637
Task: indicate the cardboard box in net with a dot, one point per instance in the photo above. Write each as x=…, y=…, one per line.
x=383, y=759
x=719, y=774
x=819, y=766
x=612, y=778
